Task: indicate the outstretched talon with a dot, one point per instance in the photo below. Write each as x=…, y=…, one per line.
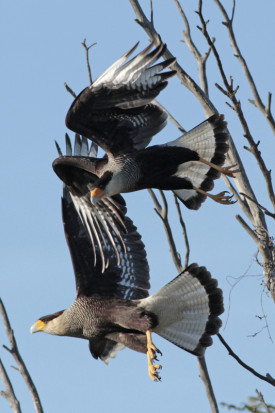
x=226, y=170
x=152, y=350
x=221, y=198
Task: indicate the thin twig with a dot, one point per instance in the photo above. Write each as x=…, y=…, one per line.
x=170, y=117
x=270, y=214
x=69, y=90
x=17, y=357
x=9, y=394
x=184, y=231
x=162, y=212
x=266, y=110
x=201, y=59
x=268, y=378
x=87, y=48
x=262, y=401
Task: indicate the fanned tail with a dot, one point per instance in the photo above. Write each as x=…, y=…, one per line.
x=187, y=309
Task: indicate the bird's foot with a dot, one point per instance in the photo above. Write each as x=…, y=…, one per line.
x=152, y=351
x=227, y=170
x=221, y=198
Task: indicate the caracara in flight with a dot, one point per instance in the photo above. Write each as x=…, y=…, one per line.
x=112, y=310
x=117, y=112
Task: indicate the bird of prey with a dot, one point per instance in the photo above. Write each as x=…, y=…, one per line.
x=118, y=113
x=112, y=310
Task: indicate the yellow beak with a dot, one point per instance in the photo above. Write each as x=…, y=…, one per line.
x=96, y=195
x=38, y=326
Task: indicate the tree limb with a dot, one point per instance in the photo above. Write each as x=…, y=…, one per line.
x=268, y=378
x=9, y=394
x=207, y=383
x=266, y=110
x=20, y=363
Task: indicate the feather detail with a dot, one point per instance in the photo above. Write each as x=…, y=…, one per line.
x=187, y=309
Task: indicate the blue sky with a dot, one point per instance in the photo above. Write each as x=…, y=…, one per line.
x=41, y=49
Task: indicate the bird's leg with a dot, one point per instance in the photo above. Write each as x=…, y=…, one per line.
x=151, y=355
x=227, y=170
x=221, y=198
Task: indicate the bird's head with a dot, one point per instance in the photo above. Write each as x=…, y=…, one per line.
x=102, y=187
x=51, y=324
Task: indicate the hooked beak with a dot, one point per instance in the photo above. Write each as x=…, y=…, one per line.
x=96, y=195
x=38, y=326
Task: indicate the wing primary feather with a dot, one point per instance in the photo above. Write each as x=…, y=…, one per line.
x=93, y=150
x=105, y=75
x=58, y=149
x=84, y=147
x=92, y=221
x=113, y=227
x=77, y=145
x=85, y=221
x=122, y=73
x=112, y=205
x=69, y=150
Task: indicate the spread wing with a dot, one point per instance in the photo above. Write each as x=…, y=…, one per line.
x=104, y=221
x=116, y=110
x=129, y=280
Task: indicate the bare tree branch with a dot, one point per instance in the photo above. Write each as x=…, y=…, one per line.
x=207, y=383
x=201, y=59
x=230, y=92
x=17, y=357
x=170, y=117
x=268, y=378
x=263, y=239
x=184, y=231
x=162, y=212
x=87, y=48
x=266, y=110
x=9, y=394
x=270, y=214
x=261, y=398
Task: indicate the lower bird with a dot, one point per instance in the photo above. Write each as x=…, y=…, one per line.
x=112, y=309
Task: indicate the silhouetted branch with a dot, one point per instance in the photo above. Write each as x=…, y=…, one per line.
x=266, y=110
x=13, y=350
x=162, y=212
x=9, y=394
x=201, y=59
x=87, y=48
x=268, y=378
x=207, y=383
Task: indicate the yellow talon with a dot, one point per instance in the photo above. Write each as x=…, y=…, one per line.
x=151, y=355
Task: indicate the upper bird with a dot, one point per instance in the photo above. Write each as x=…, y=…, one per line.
x=117, y=113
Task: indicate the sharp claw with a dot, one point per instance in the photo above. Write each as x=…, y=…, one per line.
x=221, y=198
x=152, y=350
x=227, y=170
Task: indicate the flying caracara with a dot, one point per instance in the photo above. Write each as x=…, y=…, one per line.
x=112, y=310
x=117, y=112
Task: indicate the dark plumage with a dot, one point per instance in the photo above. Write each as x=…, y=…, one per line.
x=113, y=310
x=117, y=113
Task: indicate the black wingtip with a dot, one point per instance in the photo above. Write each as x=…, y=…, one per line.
x=216, y=308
